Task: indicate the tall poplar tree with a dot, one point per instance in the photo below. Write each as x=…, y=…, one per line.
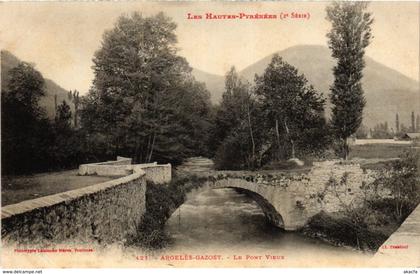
x=413, y=122
x=349, y=36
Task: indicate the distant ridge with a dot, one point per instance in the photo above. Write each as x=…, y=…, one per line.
x=214, y=83
x=9, y=61
x=387, y=91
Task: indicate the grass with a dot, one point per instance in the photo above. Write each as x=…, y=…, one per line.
x=377, y=151
x=15, y=189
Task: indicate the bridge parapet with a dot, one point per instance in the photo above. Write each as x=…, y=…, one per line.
x=328, y=186
x=122, y=167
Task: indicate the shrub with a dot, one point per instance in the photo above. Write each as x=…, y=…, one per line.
x=342, y=231
x=401, y=177
x=161, y=202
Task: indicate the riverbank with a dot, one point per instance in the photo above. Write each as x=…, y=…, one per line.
x=387, y=201
x=338, y=230
x=161, y=202
x=365, y=228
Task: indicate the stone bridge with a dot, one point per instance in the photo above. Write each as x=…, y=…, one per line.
x=110, y=211
x=290, y=199
x=282, y=206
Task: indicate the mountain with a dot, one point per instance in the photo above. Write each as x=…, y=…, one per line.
x=387, y=91
x=9, y=61
x=214, y=83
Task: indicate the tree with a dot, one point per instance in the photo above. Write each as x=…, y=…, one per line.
x=349, y=36
x=235, y=138
x=401, y=178
x=68, y=148
x=293, y=111
x=404, y=129
x=362, y=132
x=63, y=117
x=397, y=123
x=381, y=131
x=75, y=98
x=25, y=128
x=135, y=106
x=30, y=141
x=26, y=87
x=229, y=113
x=413, y=122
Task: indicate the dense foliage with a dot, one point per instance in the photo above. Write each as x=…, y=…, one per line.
x=25, y=133
x=293, y=111
x=281, y=117
x=144, y=103
x=381, y=131
x=401, y=177
x=237, y=137
x=161, y=202
x=30, y=141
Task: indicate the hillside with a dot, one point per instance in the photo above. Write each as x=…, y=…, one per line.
x=387, y=91
x=214, y=83
x=9, y=61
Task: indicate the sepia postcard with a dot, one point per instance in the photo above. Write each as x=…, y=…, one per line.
x=144, y=134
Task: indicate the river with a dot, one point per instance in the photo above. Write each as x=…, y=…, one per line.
x=223, y=221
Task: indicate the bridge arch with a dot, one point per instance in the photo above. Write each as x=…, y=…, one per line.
x=271, y=214
x=261, y=194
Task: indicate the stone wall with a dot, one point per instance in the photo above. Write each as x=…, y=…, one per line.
x=296, y=197
x=105, y=212
x=105, y=170
x=120, y=167
x=111, y=210
x=323, y=187
x=335, y=186
x=159, y=174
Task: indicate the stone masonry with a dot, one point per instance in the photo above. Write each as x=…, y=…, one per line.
x=289, y=200
x=106, y=212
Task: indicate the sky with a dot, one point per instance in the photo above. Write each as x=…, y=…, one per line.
x=61, y=37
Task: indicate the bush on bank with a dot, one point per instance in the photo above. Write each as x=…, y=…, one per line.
x=161, y=201
x=367, y=226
